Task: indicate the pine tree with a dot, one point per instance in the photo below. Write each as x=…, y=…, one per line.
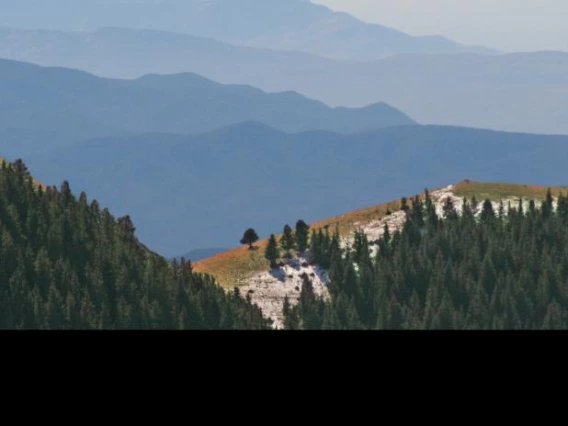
x=562, y=209
x=474, y=206
x=547, y=205
x=487, y=212
x=450, y=212
x=288, y=240
x=272, y=252
x=404, y=204
x=302, y=235
x=361, y=247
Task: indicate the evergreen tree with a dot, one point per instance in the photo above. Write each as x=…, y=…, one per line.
x=288, y=240
x=562, y=208
x=65, y=264
x=404, y=204
x=272, y=252
x=450, y=212
x=504, y=271
x=474, y=206
x=487, y=212
x=302, y=235
x=547, y=205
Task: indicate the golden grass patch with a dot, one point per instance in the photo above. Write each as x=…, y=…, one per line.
x=232, y=267
x=498, y=191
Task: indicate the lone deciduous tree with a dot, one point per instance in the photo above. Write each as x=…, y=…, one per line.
x=250, y=237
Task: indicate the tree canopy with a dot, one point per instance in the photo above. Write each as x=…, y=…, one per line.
x=272, y=252
x=505, y=270
x=65, y=264
x=302, y=235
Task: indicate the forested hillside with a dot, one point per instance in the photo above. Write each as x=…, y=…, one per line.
x=66, y=263
x=505, y=268
x=188, y=192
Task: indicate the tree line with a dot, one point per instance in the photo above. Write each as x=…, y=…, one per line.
x=289, y=242
x=66, y=263
x=502, y=268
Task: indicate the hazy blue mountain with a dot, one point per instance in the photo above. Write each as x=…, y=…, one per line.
x=274, y=24
x=46, y=107
x=514, y=92
x=200, y=254
x=204, y=190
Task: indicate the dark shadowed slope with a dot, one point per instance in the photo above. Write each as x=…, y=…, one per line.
x=276, y=24
x=203, y=191
x=48, y=107
x=515, y=92
x=67, y=263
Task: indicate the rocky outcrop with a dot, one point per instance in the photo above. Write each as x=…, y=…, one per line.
x=269, y=289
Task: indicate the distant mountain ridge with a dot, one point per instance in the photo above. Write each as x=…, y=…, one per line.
x=523, y=92
x=275, y=24
x=208, y=188
x=43, y=108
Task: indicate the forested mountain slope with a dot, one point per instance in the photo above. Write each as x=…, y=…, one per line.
x=504, y=268
x=66, y=263
x=471, y=255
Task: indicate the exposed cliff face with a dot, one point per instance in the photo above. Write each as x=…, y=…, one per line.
x=269, y=289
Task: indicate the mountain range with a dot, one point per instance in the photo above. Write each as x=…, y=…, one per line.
x=275, y=24
x=42, y=108
x=193, y=191
x=522, y=92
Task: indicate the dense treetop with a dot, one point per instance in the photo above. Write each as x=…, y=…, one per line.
x=67, y=263
x=505, y=269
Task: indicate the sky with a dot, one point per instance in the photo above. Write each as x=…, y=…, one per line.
x=508, y=25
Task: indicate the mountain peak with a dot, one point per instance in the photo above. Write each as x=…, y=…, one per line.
x=297, y=25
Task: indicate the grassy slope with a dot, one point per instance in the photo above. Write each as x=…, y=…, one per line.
x=498, y=191
x=232, y=266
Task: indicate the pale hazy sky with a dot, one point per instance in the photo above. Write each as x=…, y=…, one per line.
x=511, y=25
